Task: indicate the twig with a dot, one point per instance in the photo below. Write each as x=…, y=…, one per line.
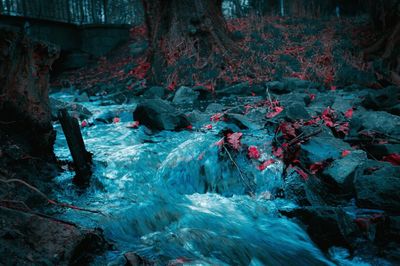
x=240, y=171
x=53, y=202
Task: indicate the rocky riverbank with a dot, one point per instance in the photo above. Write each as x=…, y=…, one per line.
x=339, y=146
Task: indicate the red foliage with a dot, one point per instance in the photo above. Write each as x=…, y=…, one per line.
x=209, y=127
x=393, y=158
x=116, y=120
x=140, y=71
x=349, y=113
x=303, y=174
x=253, y=152
x=345, y=153
x=135, y=124
x=287, y=130
x=216, y=117
x=275, y=111
x=328, y=115
x=233, y=140
x=317, y=167
x=265, y=164
x=84, y=123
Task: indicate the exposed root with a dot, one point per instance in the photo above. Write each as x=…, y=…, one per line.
x=53, y=202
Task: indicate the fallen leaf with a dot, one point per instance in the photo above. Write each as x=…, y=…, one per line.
x=393, y=158
x=276, y=111
x=208, y=126
x=303, y=174
x=116, y=120
x=316, y=167
x=84, y=123
x=349, y=113
x=265, y=164
x=253, y=152
x=234, y=140
x=345, y=153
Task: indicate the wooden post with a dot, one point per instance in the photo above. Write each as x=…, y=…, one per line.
x=82, y=158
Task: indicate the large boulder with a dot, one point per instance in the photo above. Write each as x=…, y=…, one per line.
x=327, y=226
x=377, y=186
x=157, y=114
x=375, y=122
x=75, y=109
x=341, y=172
x=29, y=239
x=322, y=148
x=185, y=95
x=384, y=99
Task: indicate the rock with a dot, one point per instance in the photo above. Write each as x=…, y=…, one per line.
x=54, y=242
x=348, y=75
x=133, y=259
x=382, y=99
x=375, y=122
x=155, y=92
x=295, y=84
x=75, y=109
x=327, y=226
x=296, y=111
x=198, y=118
x=322, y=148
x=377, y=186
x=277, y=87
x=237, y=89
x=105, y=117
x=84, y=97
x=241, y=121
x=138, y=48
x=378, y=151
x=157, y=114
x=341, y=172
x=185, y=95
x=214, y=108
x=306, y=192
x=293, y=97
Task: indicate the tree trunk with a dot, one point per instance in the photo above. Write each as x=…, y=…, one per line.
x=184, y=28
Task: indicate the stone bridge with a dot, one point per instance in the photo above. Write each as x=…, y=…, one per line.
x=79, y=44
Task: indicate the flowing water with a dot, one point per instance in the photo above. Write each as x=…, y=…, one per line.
x=170, y=198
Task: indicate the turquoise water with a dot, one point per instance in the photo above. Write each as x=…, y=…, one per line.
x=170, y=197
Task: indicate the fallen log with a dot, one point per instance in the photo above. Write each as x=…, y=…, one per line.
x=81, y=157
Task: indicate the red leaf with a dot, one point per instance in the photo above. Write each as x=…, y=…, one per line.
x=208, y=126
x=349, y=113
x=116, y=120
x=278, y=152
x=333, y=88
x=253, y=152
x=276, y=111
x=328, y=116
x=190, y=127
x=316, y=167
x=84, y=123
x=135, y=124
x=265, y=164
x=216, y=117
x=345, y=153
x=344, y=128
x=393, y=158
x=303, y=174
x=220, y=142
x=312, y=96
x=287, y=130
x=234, y=140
